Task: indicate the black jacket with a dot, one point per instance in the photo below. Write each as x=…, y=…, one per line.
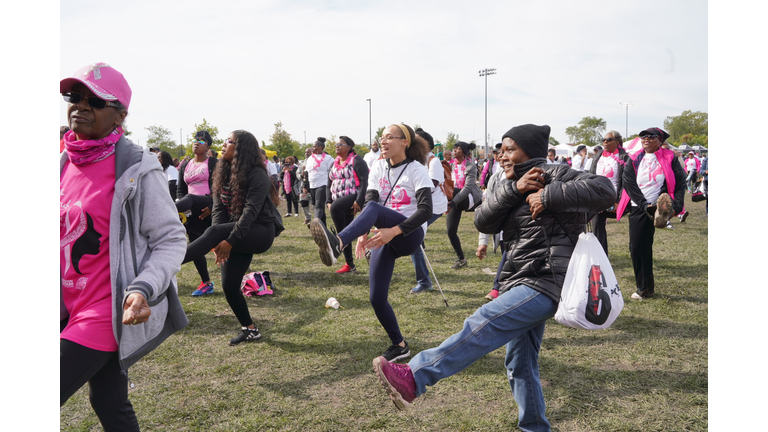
x=537, y=248
x=257, y=206
x=181, y=186
x=677, y=183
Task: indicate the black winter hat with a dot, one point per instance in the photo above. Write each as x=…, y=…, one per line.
x=533, y=139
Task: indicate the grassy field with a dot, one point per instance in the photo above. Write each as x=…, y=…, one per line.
x=312, y=369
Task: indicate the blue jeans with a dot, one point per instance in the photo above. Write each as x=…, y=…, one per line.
x=515, y=319
x=419, y=264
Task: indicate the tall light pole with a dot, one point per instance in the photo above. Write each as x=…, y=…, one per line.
x=626, y=127
x=370, y=129
x=305, y=138
x=181, y=146
x=485, y=73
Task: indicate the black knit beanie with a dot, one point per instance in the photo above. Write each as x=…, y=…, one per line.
x=533, y=139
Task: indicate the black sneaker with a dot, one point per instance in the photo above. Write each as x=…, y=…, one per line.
x=246, y=335
x=326, y=240
x=396, y=352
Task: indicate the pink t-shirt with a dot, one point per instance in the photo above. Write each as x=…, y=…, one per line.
x=196, y=176
x=85, y=200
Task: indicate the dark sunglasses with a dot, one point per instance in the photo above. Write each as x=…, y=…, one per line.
x=93, y=101
x=608, y=139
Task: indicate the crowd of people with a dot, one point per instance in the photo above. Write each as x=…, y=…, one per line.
x=125, y=212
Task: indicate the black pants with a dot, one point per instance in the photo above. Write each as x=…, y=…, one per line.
x=317, y=196
x=108, y=388
x=194, y=202
x=195, y=228
x=342, y=216
x=258, y=240
x=641, y=231
x=598, y=229
x=292, y=201
x=452, y=221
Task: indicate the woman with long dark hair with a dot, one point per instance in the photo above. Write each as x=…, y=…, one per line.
x=243, y=222
x=466, y=195
x=347, y=184
x=398, y=203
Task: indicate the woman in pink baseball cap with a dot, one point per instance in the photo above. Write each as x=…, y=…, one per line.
x=121, y=246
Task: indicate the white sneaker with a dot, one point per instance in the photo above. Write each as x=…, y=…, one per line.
x=636, y=296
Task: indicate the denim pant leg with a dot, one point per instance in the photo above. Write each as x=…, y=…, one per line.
x=419, y=263
x=522, y=362
x=493, y=325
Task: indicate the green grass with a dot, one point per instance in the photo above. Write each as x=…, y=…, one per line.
x=312, y=369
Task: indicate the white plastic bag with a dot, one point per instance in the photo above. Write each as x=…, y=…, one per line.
x=591, y=298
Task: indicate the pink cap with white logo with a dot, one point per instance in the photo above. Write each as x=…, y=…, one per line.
x=103, y=80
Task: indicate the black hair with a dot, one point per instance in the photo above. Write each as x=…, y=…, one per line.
x=418, y=149
x=165, y=160
x=320, y=141
x=349, y=142
x=205, y=136
x=427, y=137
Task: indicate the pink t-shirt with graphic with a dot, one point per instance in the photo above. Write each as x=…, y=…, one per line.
x=196, y=177
x=85, y=200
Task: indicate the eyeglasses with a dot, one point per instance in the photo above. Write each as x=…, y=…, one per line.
x=648, y=137
x=608, y=139
x=390, y=138
x=93, y=101
x=229, y=142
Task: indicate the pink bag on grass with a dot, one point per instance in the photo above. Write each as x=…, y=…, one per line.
x=257, y=284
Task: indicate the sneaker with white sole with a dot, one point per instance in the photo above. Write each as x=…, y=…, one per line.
x=397, y=381
x=330, y=249
x=397, y=352
x=683, y=216
x=246, y=335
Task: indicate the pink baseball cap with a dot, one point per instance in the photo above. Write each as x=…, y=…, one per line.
x=103, y=80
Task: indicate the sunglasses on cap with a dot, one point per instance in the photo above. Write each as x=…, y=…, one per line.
x=93, y=101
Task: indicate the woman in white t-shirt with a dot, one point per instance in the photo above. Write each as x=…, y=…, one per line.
x=398, y=203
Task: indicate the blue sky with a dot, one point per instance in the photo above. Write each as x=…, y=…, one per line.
x=312, y=64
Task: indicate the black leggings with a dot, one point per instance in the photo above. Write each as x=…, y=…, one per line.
x=194, y=202
x=258, y=240
x=452, y=221
x=292, y=201
x=108, y=388
x=317, y=196
x=342, y=216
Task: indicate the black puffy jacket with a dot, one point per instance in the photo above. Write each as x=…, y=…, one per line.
x=567, y=196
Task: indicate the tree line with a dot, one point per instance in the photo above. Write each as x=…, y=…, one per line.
x=687, y=128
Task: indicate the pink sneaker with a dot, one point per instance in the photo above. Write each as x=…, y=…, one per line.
x=397, y=380
x=493, y=295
